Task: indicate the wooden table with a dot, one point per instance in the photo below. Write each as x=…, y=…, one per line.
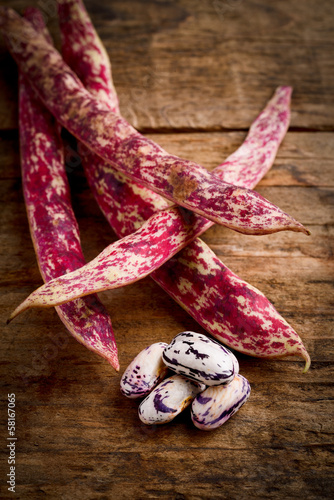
x=192, y=75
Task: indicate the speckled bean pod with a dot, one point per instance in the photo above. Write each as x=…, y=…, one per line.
x=199, y=358
x=121, y=263
x=168, y=399
x=214, y=406
x=84, y=52
x=110, y=136
x=231, y=310
x=145, y=372
x=53, y=226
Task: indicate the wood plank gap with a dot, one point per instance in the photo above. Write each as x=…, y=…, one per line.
x=13, y=133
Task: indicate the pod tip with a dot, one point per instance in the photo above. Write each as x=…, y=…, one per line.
x=298, y=228
x=307, y=359
x=301, y=229
x=115, y=364
x=22, y=307
x=11, y=317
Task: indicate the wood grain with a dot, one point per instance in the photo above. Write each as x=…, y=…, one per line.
x=192, y=75
x=206, y=65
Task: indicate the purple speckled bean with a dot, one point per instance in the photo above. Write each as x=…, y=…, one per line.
x=214, y=406
x=110, y=136
x=144, y=372
x=52, y=223
x=168, y=399
x=234, y=312
x=199, y=358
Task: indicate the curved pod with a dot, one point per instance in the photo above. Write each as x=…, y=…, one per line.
x=117, y=142
x=53, y=226
x=186, y=275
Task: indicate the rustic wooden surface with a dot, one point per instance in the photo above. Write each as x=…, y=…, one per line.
x=192, y=75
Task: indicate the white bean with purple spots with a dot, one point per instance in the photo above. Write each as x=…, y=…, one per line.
x=200, y=358
x=215, y=405
x=145, y=371
x=168, y=399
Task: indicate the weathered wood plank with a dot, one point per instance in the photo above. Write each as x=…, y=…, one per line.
x=310, y=206
x=181, y=65
x=237, y=435
x=219, y=473
x=304, y=159
x=296, y=284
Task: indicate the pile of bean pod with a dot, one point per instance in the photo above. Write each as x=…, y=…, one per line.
x=132, y=185
x=206, y=375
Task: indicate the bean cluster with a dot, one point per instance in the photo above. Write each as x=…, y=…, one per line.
x=206, y=375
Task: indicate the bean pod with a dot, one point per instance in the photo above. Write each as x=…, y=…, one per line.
x=199, y=358
x=196, y=263
x=144, y=372
x=186, y=274
x=117, y=142
x=168, y=399
x=216, y=405
x=53, y=226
